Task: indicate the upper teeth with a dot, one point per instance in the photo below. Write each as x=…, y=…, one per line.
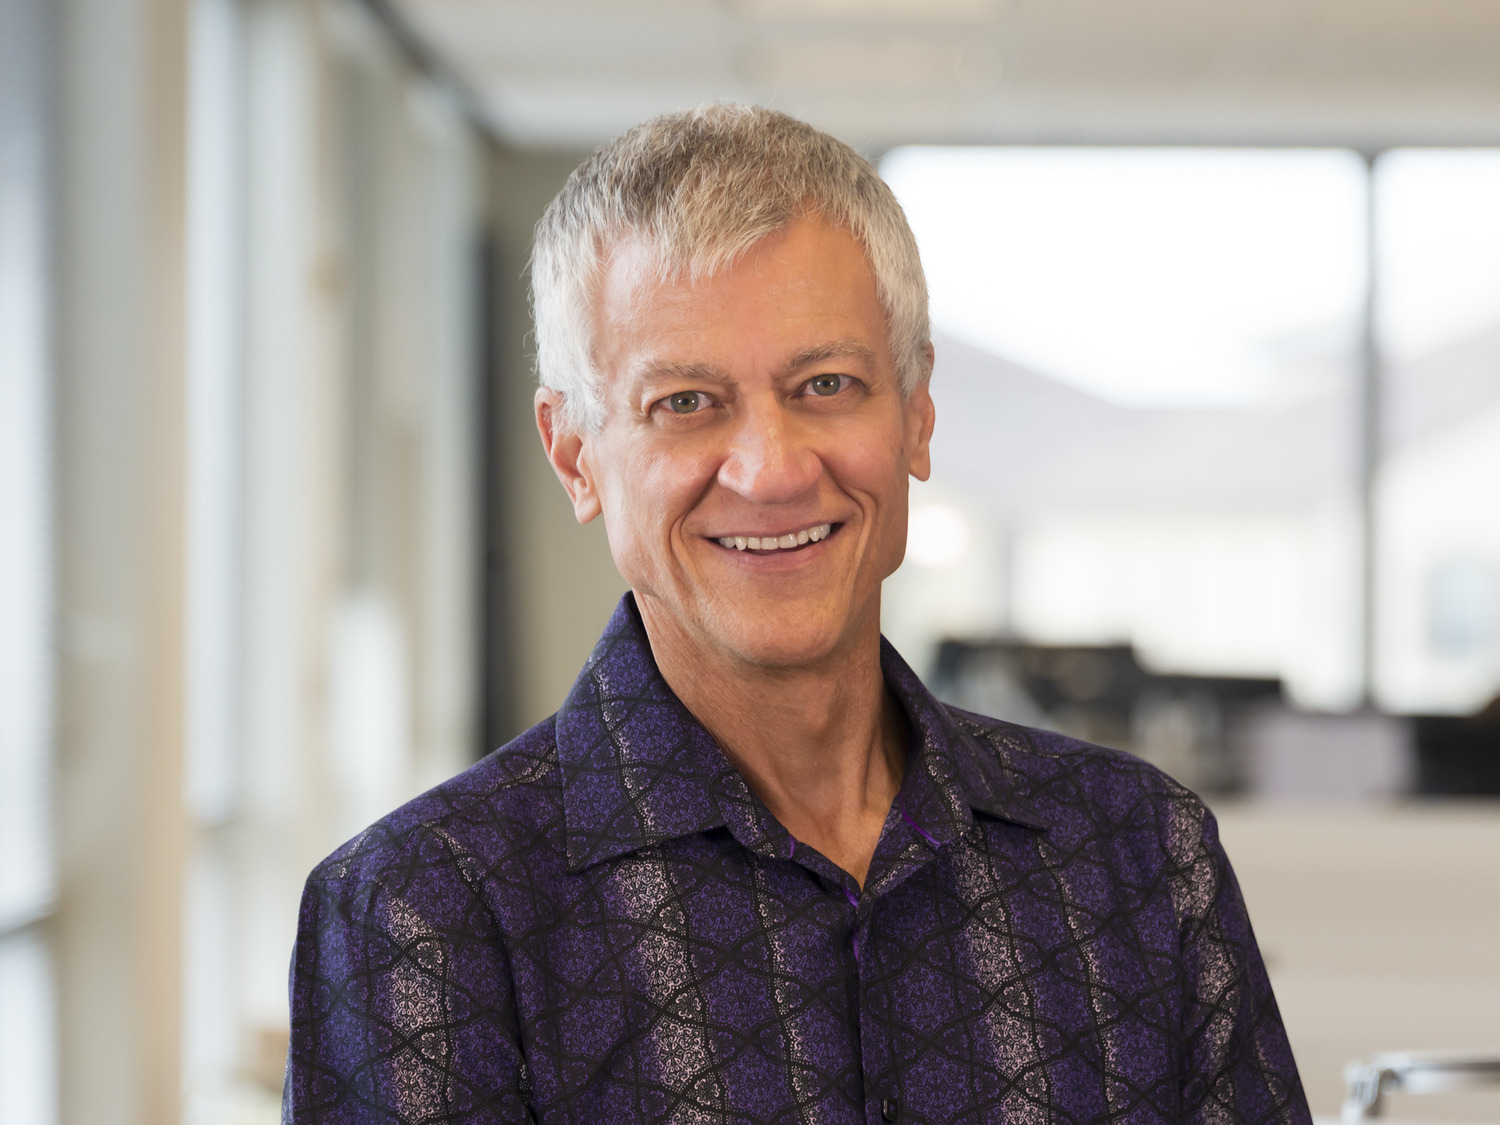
x=777, y=542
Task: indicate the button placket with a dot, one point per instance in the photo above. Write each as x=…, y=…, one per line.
x=858, y=922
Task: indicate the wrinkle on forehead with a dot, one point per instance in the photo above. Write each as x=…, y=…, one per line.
x=639, y=259
x=679, y=246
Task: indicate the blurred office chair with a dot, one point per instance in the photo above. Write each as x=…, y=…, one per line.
x=1414, y=1072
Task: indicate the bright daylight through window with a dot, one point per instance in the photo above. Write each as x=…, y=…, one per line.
x=1149, y=382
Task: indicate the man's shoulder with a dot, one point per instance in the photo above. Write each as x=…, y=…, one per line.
x=507, y=801
x=1080, y=789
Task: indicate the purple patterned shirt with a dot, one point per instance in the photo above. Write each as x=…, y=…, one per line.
x=601, y=923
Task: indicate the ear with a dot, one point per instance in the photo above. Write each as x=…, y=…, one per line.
x=921, y=416
x=566, y=450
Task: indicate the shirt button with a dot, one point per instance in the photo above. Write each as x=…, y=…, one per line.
x=890, y=1109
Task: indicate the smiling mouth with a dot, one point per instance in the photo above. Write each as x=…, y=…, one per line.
x=788, y=542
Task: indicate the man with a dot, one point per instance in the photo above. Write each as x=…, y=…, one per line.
x=752, y=870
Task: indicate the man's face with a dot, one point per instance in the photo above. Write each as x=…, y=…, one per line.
x=761, y=405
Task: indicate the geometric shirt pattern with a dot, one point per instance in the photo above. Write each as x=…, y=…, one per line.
x=600, y=922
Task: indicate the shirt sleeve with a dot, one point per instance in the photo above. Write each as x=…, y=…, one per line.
x=402, y=1006
x=1239, y=1065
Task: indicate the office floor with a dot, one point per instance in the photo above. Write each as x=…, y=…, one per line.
x=1381, y=931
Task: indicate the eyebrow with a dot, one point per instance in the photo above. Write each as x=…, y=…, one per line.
x=838, y=349
x=651, y=373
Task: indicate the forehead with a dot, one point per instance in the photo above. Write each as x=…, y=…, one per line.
x=800, y=288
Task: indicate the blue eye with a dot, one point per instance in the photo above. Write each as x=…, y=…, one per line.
x=687, y=402
x=825, y=385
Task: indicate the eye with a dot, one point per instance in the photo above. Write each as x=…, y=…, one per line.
x=825, y=386
x=687, y=402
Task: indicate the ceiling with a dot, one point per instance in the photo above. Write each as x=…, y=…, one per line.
x=1366, y=73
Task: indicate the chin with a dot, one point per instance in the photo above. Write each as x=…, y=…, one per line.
x=788, y=639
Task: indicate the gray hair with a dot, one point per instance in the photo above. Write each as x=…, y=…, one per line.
x=699, y=189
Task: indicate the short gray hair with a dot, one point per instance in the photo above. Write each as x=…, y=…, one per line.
x=700, y=188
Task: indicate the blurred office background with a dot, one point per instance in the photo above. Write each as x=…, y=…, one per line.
x=1217, y=469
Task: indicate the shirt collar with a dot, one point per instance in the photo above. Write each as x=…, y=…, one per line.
x=950, y=770
x=638, y=769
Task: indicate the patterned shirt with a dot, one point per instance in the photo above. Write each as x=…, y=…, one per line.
x=600, y=923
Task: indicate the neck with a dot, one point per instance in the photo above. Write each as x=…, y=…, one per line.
x=822, y=745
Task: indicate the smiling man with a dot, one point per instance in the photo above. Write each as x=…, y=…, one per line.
x=751, y=870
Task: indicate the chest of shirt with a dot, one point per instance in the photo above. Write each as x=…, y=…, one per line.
x=695, y=980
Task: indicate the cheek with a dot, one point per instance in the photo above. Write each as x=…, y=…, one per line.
x=651, y=494
x=875, y=466
x=893, y=525
x=881, y=479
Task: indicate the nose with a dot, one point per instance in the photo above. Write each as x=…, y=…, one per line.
x=770, y=460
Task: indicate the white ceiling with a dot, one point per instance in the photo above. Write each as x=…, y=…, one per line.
x=1368, y=73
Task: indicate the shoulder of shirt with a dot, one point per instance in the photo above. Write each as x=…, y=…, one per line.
x=504, y=801
x=1106, y=806
x=1077, y=786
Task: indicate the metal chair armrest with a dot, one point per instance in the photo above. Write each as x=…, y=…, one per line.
x=1413, y=1072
